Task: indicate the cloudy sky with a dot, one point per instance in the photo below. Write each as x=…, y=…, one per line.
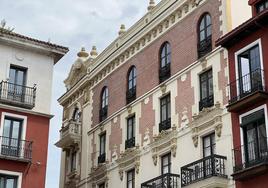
x=73, y=24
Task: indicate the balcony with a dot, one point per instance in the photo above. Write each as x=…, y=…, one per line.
x=251, y=160
x=204, y=47
x=165, y=125
x=130, y=143
x=164, y=73
x=103, y=113
x=14, y=149
x=247, y=91
x=206, y=102
x=164, y=181
x=17, y=95
x=207, y=172
x=131, y=95
x=102, y=158
x=70, y=135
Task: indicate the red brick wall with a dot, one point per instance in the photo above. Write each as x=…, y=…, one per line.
x=183, y=41
x=37, y=131
x=114, y=137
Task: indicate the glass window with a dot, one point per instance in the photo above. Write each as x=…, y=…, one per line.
x=76, y=115
x=132, y=78
x=131, y=179
x=104, y=97
x=102, y=185
x=73, y=161
x=204, y=35
x=209, y=145
x=7, y=181
x=17, y=75
x=165, y=108
x=131, y=127
x=165, y=54
x=166, y=164
x=261, y=6
x=206, y=90
x=102, y=143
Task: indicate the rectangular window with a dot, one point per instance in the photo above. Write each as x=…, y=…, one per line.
x=102, y=155
x=249, y=70
x=130, y=142
x=11, y=139
x=102, y=185
x=255, y=137
x=17, y=75
x=131, y=179
x=73, y=161
x=7, y=181
x=261, y=6
x=165, y=113
x=166, y=164
x=206, y=90
x=209, y=145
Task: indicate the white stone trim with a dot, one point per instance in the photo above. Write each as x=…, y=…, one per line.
x=11, y=173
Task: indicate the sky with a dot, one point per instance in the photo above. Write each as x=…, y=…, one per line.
x=74, y=24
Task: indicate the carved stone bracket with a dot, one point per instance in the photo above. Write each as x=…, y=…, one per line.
x=207, y=119
x=129, y=159
x=165, y=141
x=99, y=174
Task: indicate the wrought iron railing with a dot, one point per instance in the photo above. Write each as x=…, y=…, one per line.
x=251, y=154
x=206, y=102
x=130, y=143
x=103, y=113
x=165, y=125
x=204, y=47
x=15, y=148
x=18, y=95
x=102, y=158
x=164, y=73
x=207, y=167
x=164, y=181
x=131, y=95
x=246, y=85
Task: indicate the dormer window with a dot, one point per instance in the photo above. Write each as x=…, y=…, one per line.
x=261, y=6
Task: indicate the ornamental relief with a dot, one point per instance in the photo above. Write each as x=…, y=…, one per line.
x=165, y=141
x=207, y=118
x=129, y=159
x=98, y=174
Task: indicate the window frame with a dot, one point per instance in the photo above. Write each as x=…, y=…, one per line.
x=104, y=103
x=132, y=172
x=169, y=165
x=131, y=84
x=15, y=174
x=19, y=68
x=212, y=144
x=73, y=161
x=165, y=54
x=102, y=138
x=165, y=103
x=208, y=97
x=130, y=139
x=261, y=6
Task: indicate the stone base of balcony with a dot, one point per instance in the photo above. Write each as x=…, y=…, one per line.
x=68, y=140
x=253, y=171
x=247, y=101
x=12, y=158
x=212, y=182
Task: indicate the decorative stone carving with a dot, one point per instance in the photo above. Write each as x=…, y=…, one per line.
x=163, y=142
x=99, y=174
x=122, y=29
x=121, y=174
x=146, y=101
x=184, y=119
x=204, y=64
x=186, y=8
x=151, y=5
x=114, y=154
x=179, y=13
x=129, y=110
x=207, y=119
x=163, y=88
x=146, y=139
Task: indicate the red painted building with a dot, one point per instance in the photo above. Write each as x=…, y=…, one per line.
x=26, y=71
x=248, y=69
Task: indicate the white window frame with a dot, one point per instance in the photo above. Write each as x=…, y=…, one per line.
x=237, y=53
x=24, y=125
x=11, y=173
x=264, y=107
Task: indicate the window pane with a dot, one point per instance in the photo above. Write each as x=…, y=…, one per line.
x=7, y=127
x=202, y=35
x=208, y=19
x=255, y=58
x=12, y=73
x=208, y=31
x=10, y=183
x=202, y=24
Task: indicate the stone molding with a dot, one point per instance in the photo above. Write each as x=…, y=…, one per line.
x=98, y=174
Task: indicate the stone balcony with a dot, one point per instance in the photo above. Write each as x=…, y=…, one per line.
x=70, y=135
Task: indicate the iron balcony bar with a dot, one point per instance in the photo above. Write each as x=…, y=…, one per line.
x=17, y=95
x=167, y=180
x=16, y=148
x=130, y=143
x=246, y=85
x=102, y=158
x=165, y=125
x=206, y=102
x=131, y=95
x=207, y=167
x=251, y=154
x=103, y=113
x=204, y=47
x=164, y=73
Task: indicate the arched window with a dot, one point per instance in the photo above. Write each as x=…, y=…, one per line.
x=104, y=103
x=131, y=85
x=204, y=35
x=165, y=60
x=76, y=114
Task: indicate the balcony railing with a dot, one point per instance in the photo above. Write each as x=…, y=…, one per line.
x=17, y=95
x=164, y=73
x=204, y=47
x=246, y=85
x=130, y=143
x=251, y=154
x=165, y=125
x=103, y=113
x=206, y=102
x=102, y=158
x=15, y=149
x=164, y=181
x=131, y=95
x=207, y=167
